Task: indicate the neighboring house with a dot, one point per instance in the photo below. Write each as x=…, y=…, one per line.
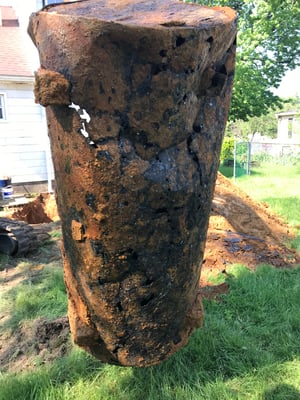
x=24, y=144
x=288, y=127
x=287, y=141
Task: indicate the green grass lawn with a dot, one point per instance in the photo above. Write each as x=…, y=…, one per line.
x=248, y=348
x=279, y=187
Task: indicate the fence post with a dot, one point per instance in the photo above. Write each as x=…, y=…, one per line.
x=248, y=158
x=234, y=161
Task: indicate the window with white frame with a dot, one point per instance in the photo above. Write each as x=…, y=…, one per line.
x=2, y=107
x=290, y=128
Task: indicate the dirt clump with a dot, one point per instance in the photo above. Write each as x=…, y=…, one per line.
x=41, y=210
x=35, y=343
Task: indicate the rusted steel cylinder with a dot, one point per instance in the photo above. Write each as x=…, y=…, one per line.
x=137, y=95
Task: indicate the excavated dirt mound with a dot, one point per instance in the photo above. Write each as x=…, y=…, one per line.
x=41, y=210
x=244, y=231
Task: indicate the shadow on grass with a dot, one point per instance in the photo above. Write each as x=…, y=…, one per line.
x=282, y=392
x=239, y=172
x=248, y=348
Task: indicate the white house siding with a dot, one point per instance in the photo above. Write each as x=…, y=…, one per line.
x=24, y=143
x=288, y=128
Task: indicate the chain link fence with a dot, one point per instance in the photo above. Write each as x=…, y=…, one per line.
x=249, y=156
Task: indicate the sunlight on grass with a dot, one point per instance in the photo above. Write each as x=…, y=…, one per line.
x=278, y=186
x=42, y=293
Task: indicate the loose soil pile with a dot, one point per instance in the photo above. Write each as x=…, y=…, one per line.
x=41, y=210
x=240, y=231
x=244, y=231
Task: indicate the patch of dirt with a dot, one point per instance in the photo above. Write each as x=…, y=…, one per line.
x=42, y=209
x=241, y=230
x=214, y=292
x=35, y=343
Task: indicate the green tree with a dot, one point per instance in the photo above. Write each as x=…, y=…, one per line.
x=227, y=152
x=267, y=46
x=290, y=104
x=266, y=125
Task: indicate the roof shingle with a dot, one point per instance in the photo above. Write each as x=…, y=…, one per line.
x=14, y=60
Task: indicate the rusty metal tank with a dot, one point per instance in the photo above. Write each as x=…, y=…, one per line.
x=137, y=95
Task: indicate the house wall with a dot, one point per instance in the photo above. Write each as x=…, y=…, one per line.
x=288, y=124
x=24, y=143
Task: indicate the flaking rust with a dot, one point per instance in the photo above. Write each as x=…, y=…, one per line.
x=137, y=95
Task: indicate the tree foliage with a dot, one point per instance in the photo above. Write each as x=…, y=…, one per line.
x=265, y=125
x=227, y=152
x=267, y=46
x=291, y=104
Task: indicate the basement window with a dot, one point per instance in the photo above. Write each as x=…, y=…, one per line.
x=2, y=107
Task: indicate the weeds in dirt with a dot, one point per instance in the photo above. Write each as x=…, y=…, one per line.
x=248, y=348
x=56, y=234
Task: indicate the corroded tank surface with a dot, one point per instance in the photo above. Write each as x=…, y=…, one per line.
x=136, y=95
